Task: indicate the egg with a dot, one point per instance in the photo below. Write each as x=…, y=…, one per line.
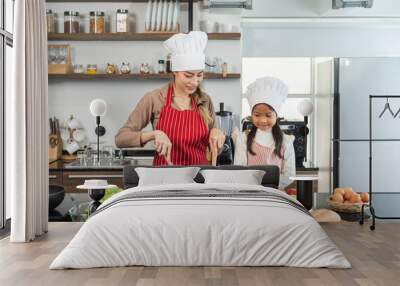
x=339, y=191
x=337, y=198
x=365, y=197
x=348, y=193
x=355, y=198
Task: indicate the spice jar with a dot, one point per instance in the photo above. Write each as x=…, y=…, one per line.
x=168, y=63
x=91, y=69
x=71, y=22
x=97, y=22
x=224, y=69
x=122, y=21
x=161, y=66
x=50, y=21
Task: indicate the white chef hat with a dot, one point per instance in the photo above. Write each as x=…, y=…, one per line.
x=187, y=51
x=269, y=90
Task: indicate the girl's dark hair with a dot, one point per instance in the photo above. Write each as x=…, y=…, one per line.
x=277, y=134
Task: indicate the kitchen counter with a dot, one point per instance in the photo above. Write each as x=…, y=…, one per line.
x=116, y=164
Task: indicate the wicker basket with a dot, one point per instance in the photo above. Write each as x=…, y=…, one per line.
x=346, y=207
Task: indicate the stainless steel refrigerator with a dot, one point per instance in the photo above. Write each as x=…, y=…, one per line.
x=355, y=79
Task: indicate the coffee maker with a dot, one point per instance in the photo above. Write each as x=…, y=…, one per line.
x=225, y=122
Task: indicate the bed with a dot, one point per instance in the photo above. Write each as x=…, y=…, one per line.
x=201, y=224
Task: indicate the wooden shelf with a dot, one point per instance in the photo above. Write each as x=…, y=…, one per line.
x=134, y=76
x=114, y=1
x=131, y=36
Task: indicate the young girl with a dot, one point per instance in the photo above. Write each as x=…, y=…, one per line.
x=265, y=143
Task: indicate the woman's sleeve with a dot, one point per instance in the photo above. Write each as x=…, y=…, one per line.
x=129, y=134
x=241, y=150
x=289, y=163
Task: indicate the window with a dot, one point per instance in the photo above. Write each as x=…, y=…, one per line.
x=295, y=72
x=6, y=44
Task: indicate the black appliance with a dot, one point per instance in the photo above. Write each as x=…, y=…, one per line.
x=296, y=128
x=225, y=121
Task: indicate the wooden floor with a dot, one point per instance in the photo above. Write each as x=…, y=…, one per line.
x=375, y=256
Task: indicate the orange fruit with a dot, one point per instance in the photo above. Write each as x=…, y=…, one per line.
x=339, y=191
x=337, y=198
x=365, y=197
x=348, y=193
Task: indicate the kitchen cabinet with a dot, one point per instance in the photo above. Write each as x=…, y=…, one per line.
x=55, y=177
x=71, y=179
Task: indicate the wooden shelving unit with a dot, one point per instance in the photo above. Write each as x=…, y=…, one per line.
x=105, y=1
x=131, y=36
x=134, y=76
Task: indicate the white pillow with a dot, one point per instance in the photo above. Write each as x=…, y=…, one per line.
x=166, y=176
x=249, y=177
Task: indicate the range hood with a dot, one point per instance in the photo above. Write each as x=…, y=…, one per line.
x=246, y=4
x=338, y=4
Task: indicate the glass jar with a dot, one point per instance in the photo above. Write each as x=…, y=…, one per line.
x=50, y=21
x=168, y=64
x=224, y=69
x=97, y=22
x=78, y=68
x=71, y=22
x=122, y=21
x=161, y=66
x=91, y=69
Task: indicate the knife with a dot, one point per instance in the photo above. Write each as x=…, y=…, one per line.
x=57, y=126
x=51, y=126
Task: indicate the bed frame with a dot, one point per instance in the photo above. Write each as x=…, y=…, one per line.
x=270, y=179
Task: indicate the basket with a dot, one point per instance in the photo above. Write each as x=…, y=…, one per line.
x=346, y=207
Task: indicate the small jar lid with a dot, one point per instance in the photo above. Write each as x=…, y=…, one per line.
x=92, y=66
x=99, y=13
x=49, y=11
x=71, y=13
x=125, y=11
x=160, y=61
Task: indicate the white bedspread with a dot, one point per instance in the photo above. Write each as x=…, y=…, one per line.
x=183, y=231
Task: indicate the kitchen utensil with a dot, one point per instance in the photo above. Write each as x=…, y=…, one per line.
x=51, y=126
x=159, y=16
x=164, y=15
x=177, y=12
x=154, y=16
x=147, y=22
x=72, y=147
x=57, y=126
x=64, y=134
x=78, y=135
x=170, y=15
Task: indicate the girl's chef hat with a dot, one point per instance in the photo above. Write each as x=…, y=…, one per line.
x=269, y=90
x=187, y=51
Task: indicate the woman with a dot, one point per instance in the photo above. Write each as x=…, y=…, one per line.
x=265, y=143
x=181, y=114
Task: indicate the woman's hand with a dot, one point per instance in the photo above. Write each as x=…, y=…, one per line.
x=216, y=141
x=163, y=145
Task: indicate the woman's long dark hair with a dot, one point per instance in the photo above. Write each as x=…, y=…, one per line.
x=277, y=134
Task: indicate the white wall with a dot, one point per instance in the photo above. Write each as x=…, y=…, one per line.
x=319, y=8
x=73, y=96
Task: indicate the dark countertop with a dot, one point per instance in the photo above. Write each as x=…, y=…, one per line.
x=60, y=165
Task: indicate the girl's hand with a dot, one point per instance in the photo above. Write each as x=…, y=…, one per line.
x=216, y=141
x=163, y=145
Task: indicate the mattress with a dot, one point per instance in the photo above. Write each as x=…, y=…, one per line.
x=201, y=225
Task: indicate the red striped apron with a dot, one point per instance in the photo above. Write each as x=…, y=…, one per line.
x=186, y=130
x=264, y=156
